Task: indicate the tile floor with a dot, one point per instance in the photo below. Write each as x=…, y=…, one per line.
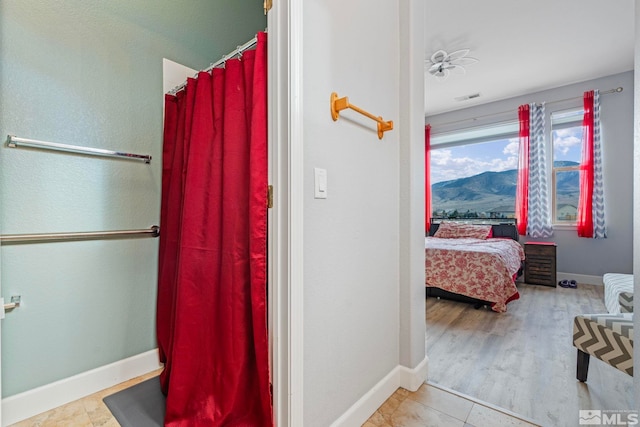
x=428, y=406
x=89, y=411
x=433, y=406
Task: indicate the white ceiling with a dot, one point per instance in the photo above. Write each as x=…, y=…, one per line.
x=525, y=46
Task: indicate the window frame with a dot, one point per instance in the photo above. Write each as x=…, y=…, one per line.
x=566, y=118
x=475, y=135
x=554, y=205
x=490, y=132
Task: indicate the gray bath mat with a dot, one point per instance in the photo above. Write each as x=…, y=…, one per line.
x=141, y=405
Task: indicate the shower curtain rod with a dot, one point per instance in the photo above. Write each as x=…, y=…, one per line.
x=616, y=90
x=237, y=51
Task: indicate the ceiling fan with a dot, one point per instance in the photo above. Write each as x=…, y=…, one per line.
x=442, y=64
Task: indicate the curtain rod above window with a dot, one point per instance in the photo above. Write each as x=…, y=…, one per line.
x=602, y=92
x=616, y=90
x=237, y=51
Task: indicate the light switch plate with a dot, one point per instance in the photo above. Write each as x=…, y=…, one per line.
x=320, y=183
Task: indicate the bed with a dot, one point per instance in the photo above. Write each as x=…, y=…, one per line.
x=475, y=263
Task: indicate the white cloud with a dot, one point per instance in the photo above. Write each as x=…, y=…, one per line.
x=512, y=147
x=440, y=157
x=446, y=167
x=565, y=139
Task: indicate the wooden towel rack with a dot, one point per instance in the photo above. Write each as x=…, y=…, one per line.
x=339, y=104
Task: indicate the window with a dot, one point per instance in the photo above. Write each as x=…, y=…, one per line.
x=566, y=140
x=473, y=172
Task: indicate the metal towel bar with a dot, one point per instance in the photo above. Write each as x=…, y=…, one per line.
x=153, y=231
x=14, y=142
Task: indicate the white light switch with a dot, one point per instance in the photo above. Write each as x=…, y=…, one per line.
x=320, y=183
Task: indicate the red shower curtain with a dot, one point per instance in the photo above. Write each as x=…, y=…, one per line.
x=522, y=184
x=211, y=307
x=584, y=223
x=427, y=178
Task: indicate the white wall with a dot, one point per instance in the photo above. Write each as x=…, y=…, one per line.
x=592, y=257
x=355, y=287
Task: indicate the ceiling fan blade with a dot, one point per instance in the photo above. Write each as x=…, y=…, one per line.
x=455, y=55
x=442, y=65
x=438, y=56
x=457, y=69
x=467, y=60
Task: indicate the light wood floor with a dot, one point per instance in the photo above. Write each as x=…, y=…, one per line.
x=523, y=360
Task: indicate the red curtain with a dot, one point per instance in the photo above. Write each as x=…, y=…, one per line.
x=522, y=184
x=585, y=200
x=211, y=307
x=427, y=178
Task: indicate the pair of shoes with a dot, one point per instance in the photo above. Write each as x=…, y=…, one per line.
x=568, y=284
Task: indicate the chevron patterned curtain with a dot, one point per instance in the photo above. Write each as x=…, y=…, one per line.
x=591, y=202
x=539, y=217
x=599, y=229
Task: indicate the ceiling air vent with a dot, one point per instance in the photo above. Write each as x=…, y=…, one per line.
x=467, y=97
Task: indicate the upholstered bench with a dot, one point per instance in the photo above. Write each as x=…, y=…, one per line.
x=614, y=285
x=608, y=337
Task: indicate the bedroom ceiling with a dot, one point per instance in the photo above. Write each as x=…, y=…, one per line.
x=525, y=47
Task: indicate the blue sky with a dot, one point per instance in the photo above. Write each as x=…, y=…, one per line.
x=468, y=160
x=567, y=144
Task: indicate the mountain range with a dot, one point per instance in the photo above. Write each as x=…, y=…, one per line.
x=496, y=191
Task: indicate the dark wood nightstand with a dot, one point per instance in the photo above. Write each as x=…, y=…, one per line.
x=540, y=263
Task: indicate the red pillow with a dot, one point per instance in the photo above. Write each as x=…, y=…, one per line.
x=460, y=230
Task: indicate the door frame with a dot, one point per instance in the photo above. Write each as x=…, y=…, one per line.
x=285, y=233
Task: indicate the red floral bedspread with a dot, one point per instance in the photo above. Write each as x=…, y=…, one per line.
x=482, y=269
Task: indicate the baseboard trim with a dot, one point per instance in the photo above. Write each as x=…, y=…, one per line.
x=400, y=376
x=412, y=379
x=580, y=278
x=32, y=402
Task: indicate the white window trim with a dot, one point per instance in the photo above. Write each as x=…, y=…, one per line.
x=558, y=226
x=554, y=196
x=563, y=123
x=475, y=135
